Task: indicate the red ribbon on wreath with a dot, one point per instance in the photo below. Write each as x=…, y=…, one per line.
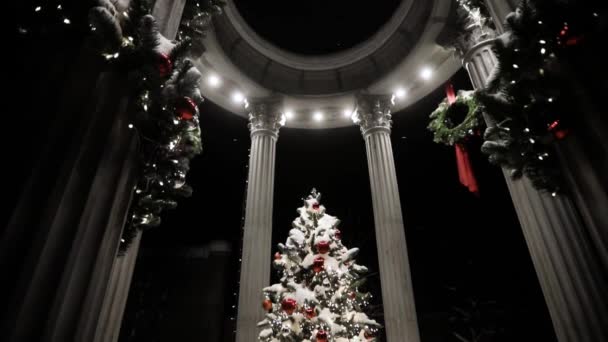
x=463, y=162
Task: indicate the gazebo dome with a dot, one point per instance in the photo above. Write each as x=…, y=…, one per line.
x=318, y=91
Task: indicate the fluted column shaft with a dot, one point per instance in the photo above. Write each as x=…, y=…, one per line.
x=401, y=325
x=564, y=250
x=257, y=237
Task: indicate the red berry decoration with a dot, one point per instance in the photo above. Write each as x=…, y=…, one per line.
x=321, y=336
x=310, y=313
x=186, y=108
x=289, y=305
x=352, y=294
x=323, y=247
x=267, y=305
x=318, y=264
x=164, y=65
x=368, y=335
x=277, y=256
x=316, y=206
x=338, y=234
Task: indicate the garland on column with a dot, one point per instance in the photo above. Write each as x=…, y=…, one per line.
x=164, y=94
x=526, y=98
x=196, y=20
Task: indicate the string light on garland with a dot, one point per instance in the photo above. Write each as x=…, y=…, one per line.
x=540, y=36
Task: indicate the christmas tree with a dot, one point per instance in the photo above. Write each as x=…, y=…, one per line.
x=318, y=298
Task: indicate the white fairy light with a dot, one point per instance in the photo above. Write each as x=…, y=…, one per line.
x=66, y=21
x=542, y=51
x=130, y=126
x=37, y=9
x=542, y=41
x=515, y=66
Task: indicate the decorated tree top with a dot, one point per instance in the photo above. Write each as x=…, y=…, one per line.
x=318, y=297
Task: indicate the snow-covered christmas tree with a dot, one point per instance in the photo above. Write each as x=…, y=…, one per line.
x=318, y=298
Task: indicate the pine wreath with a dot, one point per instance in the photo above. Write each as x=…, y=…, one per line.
x=452, y=123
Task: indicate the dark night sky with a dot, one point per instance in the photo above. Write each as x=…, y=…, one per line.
x=455, y=240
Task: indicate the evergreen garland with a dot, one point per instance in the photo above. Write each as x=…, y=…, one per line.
x=526, y=99
x=443, y=125
x=164, y=97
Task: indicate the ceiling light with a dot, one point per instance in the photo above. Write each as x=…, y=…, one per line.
x=426, y=73
x=318, y=116
x=214, y=81
x=237, y=97
x=288, y=114
x=400, y=93
x=347, y=113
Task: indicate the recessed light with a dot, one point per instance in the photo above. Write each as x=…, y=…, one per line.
x=426, y=73
x=238, y=97
x=318, y=116
x=214, y=81
x=400, y=93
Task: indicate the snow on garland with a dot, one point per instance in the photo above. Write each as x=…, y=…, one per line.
x=318, y=296
x=444, y=125
x=525, y=97
x=164, y=98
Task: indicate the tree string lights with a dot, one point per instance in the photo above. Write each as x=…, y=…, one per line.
x=318, y=297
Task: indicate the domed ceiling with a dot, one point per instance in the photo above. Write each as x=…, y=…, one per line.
x=317, y=55
x=316, y=27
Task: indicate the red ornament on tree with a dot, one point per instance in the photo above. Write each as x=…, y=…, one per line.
x=164, y=65
x=316, y=206
x=338, y=234
x=368, y=335
x=289, y=305
x=277, y=256
x=321, y=336
x=352, y=294
x=318, y=264
x=267, y=305
x=310, y=313
x=323, y=247
x=186, y=108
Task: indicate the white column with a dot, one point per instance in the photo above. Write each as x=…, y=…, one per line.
x=564, y=250
x=264, y=124
x=110, y=320
x=373, y=115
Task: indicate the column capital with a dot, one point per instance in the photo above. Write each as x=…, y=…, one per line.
x=465, y=29
x=266, y=116
x=373, y=113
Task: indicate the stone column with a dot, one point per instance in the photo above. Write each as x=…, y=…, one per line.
x=565, y=252
x=373, y=115
x=105, y=327
x=264, y=123
x=108, y=326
